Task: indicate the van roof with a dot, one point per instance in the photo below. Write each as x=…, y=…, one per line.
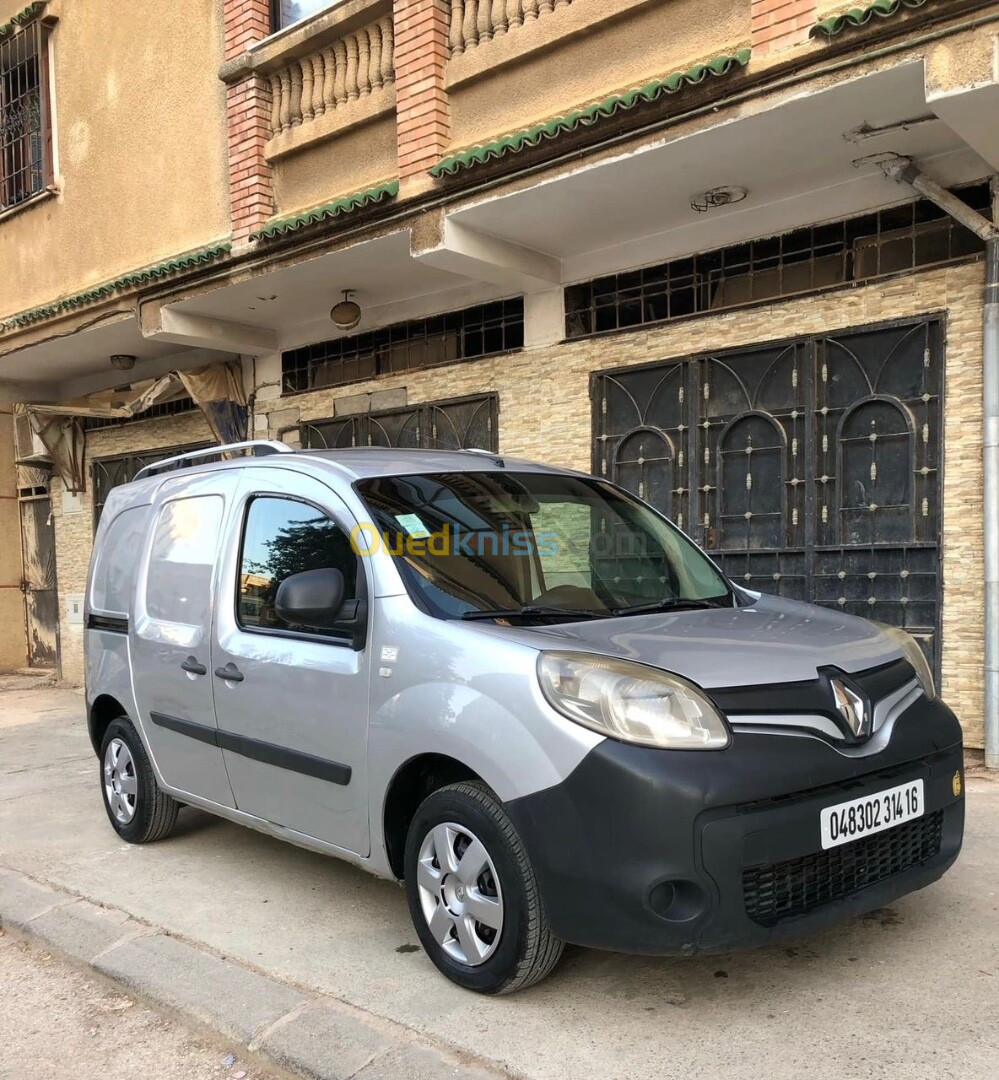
x=365, y=461
x=350, y=463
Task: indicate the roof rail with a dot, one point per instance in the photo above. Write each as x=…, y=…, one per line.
x=252, y=448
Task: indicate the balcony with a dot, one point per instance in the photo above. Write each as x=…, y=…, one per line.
x=516, y=62
x=331, y=81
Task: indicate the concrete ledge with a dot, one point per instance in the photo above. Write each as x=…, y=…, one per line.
x=310, y=1034
x=302, y=38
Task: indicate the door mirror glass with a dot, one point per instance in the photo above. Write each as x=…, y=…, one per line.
x=311, y=599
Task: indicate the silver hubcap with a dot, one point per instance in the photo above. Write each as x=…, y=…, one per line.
x=460, y=894
x=120, y=785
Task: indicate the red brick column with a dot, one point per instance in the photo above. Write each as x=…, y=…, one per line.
x=779, y=24
x=248, y=110
x=423, y=114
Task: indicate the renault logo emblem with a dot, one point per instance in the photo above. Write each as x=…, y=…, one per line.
x=853, y=708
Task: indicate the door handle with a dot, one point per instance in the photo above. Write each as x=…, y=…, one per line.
x=191, y=665
x=230, y=673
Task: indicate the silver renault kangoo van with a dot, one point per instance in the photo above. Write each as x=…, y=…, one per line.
x=517, y=689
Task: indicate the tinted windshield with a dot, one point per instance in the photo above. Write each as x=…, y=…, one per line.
x=505, y=541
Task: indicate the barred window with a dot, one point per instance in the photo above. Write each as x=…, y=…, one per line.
x=157, y=411
x=25, y=131
x=107, y=473
x=459, y=424
x=441, y=339
x=860, y=249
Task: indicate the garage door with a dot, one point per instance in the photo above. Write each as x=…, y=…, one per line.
x=809, y=469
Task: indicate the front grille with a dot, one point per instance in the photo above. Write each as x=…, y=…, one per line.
x=781, y=890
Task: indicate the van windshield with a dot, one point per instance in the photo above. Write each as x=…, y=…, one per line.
x=532, y=546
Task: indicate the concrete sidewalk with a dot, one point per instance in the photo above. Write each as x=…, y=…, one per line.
x=301, y=956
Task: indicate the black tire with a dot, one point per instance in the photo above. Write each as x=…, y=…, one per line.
x=526, y=950
x=155, y=812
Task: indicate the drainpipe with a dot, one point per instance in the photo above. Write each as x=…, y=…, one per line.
x=991, y=395
x=904, y=171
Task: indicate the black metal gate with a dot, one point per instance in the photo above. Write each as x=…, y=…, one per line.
x=459, y=424
x=809, y=468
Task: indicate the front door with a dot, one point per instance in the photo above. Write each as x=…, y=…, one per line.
x=41, y=607
x=170, y=633
x=291, y=705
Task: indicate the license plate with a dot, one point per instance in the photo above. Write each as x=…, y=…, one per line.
x=871, y=814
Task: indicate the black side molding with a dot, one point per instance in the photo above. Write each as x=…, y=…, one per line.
x=201, y=732
x=283, y=758
x=258, y=750
x=117, y=624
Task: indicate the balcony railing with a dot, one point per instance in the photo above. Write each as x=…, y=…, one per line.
x=474, y=22
x=348, y=69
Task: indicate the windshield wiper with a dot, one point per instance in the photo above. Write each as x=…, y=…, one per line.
x=531, y=611
x=668, y=603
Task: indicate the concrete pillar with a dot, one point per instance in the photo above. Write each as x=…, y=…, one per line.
x=423, y=113
x=544, y=318
x=248, y=110
x=13, y=640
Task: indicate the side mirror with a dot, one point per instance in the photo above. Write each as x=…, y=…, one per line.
x=312, y=598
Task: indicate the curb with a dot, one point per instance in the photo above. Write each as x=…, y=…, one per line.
x=308, y=1033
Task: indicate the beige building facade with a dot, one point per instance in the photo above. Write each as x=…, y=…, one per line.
x=667, y=242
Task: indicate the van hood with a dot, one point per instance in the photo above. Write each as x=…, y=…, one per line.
x=769, y=640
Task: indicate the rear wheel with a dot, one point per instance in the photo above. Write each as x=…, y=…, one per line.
x=138, y=810
x=473, y=895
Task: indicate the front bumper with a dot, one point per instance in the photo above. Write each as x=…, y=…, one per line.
x=738, y=829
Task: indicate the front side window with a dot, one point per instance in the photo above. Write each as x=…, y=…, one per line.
x=286, y=12
x=532, y=546
x=24, y=115
x=284, y=537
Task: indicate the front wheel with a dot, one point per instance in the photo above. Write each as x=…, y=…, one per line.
x=473, y=895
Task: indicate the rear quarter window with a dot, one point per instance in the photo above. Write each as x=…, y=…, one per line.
x=182, y=560
x=116, y=561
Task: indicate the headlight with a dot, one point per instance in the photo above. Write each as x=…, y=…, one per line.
x=914, y=654
x=631, y=702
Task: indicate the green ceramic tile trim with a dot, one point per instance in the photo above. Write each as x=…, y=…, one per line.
x=591, y=114
x=20, y=19
x=860, y=16
x=346, y=205
x=137, y=277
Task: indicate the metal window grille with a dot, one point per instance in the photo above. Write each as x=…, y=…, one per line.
x=441, y=339
x=461, y=424
x=917, y=234
x=155, y=412
x=24, y=115
x=107, y=473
